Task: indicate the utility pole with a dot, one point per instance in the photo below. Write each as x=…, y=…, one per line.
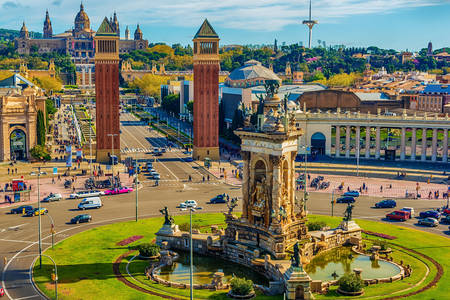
x=112, y=135
x=90, y=142
x=137, y=185
x=191, y=256
x=39, y=218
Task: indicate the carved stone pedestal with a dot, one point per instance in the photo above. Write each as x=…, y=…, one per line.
x=297, y=284
x=349, y=226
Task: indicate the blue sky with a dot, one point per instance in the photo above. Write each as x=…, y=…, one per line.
x=397, y=24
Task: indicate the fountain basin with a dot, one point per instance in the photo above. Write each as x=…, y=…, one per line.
x=343, y=260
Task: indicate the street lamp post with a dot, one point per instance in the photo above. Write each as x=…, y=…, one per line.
x=90, y=141
x=39, y=218
x=137, y=185
x=332, y=203
x=191, y=256
x=112, y=135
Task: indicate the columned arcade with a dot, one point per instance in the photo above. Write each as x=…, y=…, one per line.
x=402, y=138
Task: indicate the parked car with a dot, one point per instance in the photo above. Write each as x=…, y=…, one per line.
x=52, y=197
x=446, y=219
x=23, y=209
x=67, y=184
x=218, y=199
x=36, y=212
x=188, y=159
x=85, y=218
x=188, y=203
x=431, y=222
x=387, y=203
x=86, y=194
x=410, y=210
x=352, y=194
x=116, y=191
x=446, y=211
x=156, y=176
x=398, y=215
x=429, y=214
x=89, y=203
x=2, y=291
x=345, y=199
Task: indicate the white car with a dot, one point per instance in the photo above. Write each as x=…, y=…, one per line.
x=410, y=210
x=52, y=197
x=86, y=194
x=188, y=203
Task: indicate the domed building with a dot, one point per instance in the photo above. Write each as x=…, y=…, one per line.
x=253, y=73
x=77, y=42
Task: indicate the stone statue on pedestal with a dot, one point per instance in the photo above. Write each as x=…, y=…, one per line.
x=348, y=212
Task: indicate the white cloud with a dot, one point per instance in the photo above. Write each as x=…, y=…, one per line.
x=258, y=15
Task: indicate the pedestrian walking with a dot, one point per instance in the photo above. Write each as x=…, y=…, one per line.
x=203, y=178
x=208, y=177
x=381, y=188
x=8, y=171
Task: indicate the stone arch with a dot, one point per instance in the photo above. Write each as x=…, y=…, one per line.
x=300, y=292
x=18, y=143
x=318, y=143
x=260, y=167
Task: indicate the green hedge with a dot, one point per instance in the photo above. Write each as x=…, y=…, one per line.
x=241, y=286
x=350, y=283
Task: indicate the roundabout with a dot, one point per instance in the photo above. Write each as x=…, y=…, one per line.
x=88, y=263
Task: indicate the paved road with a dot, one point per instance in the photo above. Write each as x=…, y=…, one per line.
x=18, y=234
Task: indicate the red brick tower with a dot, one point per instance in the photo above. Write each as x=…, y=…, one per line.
x=206, y=93
x=107, y=91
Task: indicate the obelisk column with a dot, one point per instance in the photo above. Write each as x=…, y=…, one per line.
x=338, y=141
x=367, y=154
x=377, y=143
x=413, y=144
x=445, y=146
x=347, y=141
x=402, y=144
x=424, y=144
x=434, y=145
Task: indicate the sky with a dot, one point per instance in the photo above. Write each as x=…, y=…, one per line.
x=393, y=24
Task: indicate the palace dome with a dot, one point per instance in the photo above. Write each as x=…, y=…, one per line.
x=251, y=74
x=82, y=20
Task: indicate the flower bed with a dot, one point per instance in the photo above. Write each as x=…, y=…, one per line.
x=129, y=240
x=381, y=235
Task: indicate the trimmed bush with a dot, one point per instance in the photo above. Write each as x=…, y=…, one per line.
x=317, y=225
x=350, y=283
x=185, y=226
x=147, y=249
x=383, y=244
x=241, y=286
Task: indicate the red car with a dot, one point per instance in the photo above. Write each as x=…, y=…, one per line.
x=2, y=292
x=398, y=215
x=446, y=211
x=121, y=190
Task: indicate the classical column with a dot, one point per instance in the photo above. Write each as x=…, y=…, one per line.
x=434, y=145
x=338, y=141
x=245, y=183
x=276, y=186
x=90, y=76
x=413, y=144
x=357, y=141
x=347, y=141
x=445, y=146
x=83, y=77
x=402, y=145
x=377, y=141
x=424, y=144
x=367, y=142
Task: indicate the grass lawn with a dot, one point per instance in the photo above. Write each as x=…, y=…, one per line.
x=85, y=261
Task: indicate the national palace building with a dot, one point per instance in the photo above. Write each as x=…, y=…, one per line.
x=78, y=42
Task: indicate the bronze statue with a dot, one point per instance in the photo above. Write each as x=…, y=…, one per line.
x=271, y=87
x=348, y=212
x=231, y=204
x=168, y=220
x=295, y=258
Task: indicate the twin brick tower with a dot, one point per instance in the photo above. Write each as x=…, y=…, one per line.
x=206, y=92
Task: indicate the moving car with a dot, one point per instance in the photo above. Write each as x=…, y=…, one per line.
x=52, y=197
x=36, y=212
x=156, y=176
x=352, y=193
x=431, y=222
x=387, y=203
x=188, y=159
x=410, y=210
x=84, y=218
x=429, y=214
x=218, y=199
x=398, y=215
x=86, y=194
x=121, y=190
x=188, y=203
x=345, y=199
x=23, y=209
x=89, y=203
x=2, y=291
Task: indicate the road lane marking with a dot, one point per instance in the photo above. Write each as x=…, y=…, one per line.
x=27, y=297
x=17, y=226
x=20, y=241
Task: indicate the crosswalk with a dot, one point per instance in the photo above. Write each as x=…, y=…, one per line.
x=135, y=150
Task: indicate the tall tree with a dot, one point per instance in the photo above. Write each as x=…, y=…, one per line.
x=40, y=130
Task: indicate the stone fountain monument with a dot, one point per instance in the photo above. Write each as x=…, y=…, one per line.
x=271, y=219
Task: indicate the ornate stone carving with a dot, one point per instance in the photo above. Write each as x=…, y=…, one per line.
x=245, y=155
x=275, y=160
